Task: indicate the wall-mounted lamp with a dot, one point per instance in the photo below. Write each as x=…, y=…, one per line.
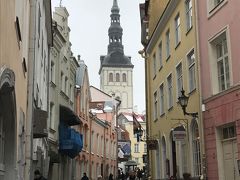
x=183, y=100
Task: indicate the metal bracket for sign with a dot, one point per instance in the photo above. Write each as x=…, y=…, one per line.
x=185, y=123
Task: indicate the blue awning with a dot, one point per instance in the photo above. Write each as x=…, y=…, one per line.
x=71, y=141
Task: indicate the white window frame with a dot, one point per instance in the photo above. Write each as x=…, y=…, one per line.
x=155, y=105
x=224, y=60
x=154, y=65
x=170, y=91
x=52, y=72
x=179, y=73
x=167, y=44
x=161, y=99
x=191, y=62
x=177, y=21
x=52, y=115
x=188, y=7
x=136, y=148
x=213, y=59
x=160, y=55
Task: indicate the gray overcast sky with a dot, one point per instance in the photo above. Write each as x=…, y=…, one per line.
x=89, y=21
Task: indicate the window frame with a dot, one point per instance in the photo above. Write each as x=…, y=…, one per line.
x=160, y=55
x=110, y=77
x=167, y=36
x=177, y=21
x=161, y=99
x=191, y=62
x=189, y=12
x=179, y=79
x=136, y=148
x=170, y=91
x=154, y=65
x=155, y=105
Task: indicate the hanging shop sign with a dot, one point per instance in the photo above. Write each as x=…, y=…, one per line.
x=179, y=134
x=152, y=144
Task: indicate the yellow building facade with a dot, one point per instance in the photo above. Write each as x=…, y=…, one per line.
x=172, y=65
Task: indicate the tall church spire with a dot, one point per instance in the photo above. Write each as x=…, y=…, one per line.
x=115, y=30
x=115, y=56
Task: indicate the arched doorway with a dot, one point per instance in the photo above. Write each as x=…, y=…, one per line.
x=173, y=171
x=7, y=125
x=164, y=158
x=158, y=164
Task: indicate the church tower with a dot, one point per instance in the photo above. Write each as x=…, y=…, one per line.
x=116, y=69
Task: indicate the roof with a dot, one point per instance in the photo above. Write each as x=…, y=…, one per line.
x=129, y=116
x=80, y=73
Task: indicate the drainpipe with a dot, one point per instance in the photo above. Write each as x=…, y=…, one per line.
x=201, y=126
x=30, y=91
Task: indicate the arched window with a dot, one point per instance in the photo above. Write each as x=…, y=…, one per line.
x=110, y=77
x=117, y=77
x=124, y=77
x=196, y=149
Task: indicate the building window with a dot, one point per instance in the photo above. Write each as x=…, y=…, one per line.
x=39, y=23
x=167, y=43
x=107, y=148
x=66, y=86
x=191, y=71
x=137, y=160
x=161, y=99
x=136, y=148
x=62, y=81
x=160, y=55
x=92, y=142
x=170, y=91
x=155, y=105
x=188, y=5
x=124, y=77
x=177, y=30
x=98, y=139
x=220, y=62
x=145, y=148
x=154, y=65
x=110, y=77
x=196, y=149
x=102, y=142
x=71, y=93
x=52, y=72
x=52, y=113
x=117, y=77
x=179, y=79
x=222, y=65
x=229, y=132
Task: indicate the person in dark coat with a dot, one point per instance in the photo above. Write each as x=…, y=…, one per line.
x=38, y=175
x=110, y=176
x=84, y=177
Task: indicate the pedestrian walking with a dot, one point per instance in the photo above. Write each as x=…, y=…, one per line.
x=84, y=177
x=110, y=176
x=38, y=175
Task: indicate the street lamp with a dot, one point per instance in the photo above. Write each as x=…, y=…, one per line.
x=183, y=100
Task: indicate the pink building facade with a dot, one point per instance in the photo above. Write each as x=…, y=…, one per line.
x=219, y=52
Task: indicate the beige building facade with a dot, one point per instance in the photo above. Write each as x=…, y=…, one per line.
x=172, y=66
x=15, y=129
